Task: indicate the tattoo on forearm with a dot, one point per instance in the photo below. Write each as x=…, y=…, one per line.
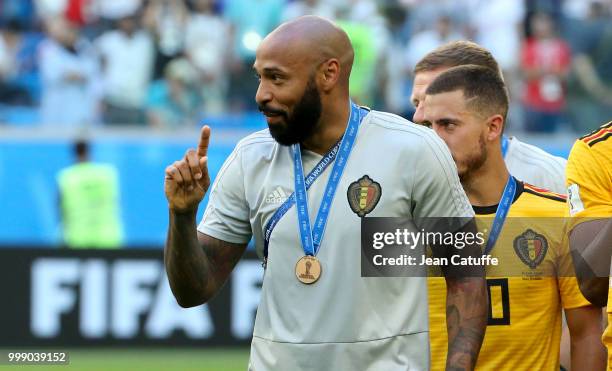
x=197, y=268
x=466, y=316
x=185, y=261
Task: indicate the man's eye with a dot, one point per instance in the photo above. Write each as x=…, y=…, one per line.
x=416, y=104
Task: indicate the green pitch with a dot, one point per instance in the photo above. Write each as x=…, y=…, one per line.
x=150, y=359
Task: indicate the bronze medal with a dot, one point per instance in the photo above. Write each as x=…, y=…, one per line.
x=308, y=269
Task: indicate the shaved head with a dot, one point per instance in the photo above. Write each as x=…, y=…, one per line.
x=311, y=40
x=304, y=67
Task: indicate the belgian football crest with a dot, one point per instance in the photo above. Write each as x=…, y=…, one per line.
x=531, y=248
x=363, y=195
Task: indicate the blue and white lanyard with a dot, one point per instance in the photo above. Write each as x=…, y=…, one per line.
x=280, y=212
x=342, y=150
x=501, y=213
x=505, y=142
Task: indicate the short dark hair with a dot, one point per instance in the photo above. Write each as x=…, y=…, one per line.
x=457, y=53
x=81, y=147
x=482, y=86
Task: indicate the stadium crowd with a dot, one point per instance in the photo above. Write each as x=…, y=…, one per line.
x=169, y=63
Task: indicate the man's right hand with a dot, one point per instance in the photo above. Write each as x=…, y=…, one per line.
x=187, y=180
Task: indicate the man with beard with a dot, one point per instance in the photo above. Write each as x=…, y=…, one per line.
x=525, y=161
x=467, y=106
x=316, y=311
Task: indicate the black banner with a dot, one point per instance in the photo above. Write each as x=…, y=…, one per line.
x=59, y=297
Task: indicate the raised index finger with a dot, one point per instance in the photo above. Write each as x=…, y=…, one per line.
x=203, y=143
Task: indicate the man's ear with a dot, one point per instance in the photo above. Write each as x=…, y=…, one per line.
x=329, y=74
x=495, y=125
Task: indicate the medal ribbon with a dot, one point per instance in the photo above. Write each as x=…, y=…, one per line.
x=314, y=174
x=501, y=213
x=280, y=212
x=311, y=238
x=505, y=142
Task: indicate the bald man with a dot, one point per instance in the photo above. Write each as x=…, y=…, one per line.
x=317, y=312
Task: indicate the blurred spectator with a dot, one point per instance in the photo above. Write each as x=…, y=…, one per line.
x=367, y=12
x=206, y=40
x=76, y=11
x=545, y=61
x=72, y=10
x=21, y=11
x=47, y=9
x=89, y=203
x=103, y=15
x=299, y=8
x=251, y=20
x=368, y=32
x=496, y=26
x=591, y=84
x=127, y=61
x=113, y=10
x=363, y=71
x=359, y=11
x=554, y=8
x=429, y=39
x=70, y=76
x=219, y=38
x=11, y=45
x=421, y=13
x=395, y=85
x=166, y=20
x=174, y=101
x=577, y=9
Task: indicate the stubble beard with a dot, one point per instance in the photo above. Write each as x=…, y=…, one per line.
x=474, y=162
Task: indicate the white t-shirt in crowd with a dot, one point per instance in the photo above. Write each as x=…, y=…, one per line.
x=70, y=102
x=128, y=66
